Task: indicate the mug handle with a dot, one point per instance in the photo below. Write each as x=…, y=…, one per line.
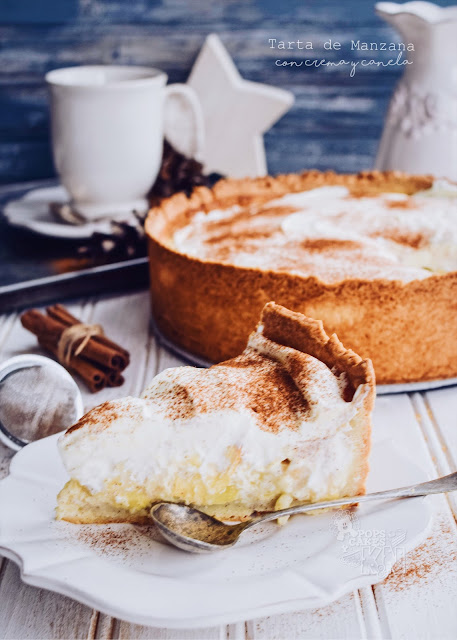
x=183, y=120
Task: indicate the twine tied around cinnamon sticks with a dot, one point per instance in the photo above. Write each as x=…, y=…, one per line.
x=82, y=348
x=74, y=339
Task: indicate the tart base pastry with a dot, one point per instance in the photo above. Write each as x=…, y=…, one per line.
x=286, y=422
x=373, y=256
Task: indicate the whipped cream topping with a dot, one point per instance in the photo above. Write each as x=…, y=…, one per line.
x=328, y=233
x=269, y=422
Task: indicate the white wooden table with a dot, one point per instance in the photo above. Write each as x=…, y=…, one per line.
x=416, y=601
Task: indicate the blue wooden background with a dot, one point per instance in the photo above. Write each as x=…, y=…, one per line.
x=336, y=120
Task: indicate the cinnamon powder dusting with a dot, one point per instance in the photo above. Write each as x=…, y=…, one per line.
x=331, y=239
x=116, y=539
x=436, y=557
x=415, y=240
x=103, y=415
x=327, y=244
x=250, y=382
x=401, y=204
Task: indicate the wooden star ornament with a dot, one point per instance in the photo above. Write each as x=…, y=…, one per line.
x=236, y=113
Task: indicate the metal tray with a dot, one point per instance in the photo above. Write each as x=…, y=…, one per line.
x=28, y=271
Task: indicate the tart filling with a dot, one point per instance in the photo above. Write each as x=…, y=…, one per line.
x=332, y=233
x=286, y=422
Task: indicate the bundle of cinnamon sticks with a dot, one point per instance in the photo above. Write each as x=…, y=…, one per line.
x=99, y=362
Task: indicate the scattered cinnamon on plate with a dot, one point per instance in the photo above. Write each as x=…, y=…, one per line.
x=80, y=347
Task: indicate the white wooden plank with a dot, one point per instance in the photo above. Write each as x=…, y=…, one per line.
x=369, y=611
x=394, y=418
x=27, y=612
x=431, y=433
x=439, y=431
x=134, y=632
x=93, y=624
x=152, y=363
x=341, y=619
x=237, y=631
x=105, y=627
x=6, y=324
x=18, y=341
x=441, y=407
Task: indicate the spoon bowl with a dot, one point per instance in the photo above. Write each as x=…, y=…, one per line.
x=192, y=530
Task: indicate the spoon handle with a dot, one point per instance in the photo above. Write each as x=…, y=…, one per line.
x=439, y=485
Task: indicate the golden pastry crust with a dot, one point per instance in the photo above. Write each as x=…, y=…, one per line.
x=76, y=504
x=209, y=307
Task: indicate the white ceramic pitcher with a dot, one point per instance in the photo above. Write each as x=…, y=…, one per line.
x=420, y=131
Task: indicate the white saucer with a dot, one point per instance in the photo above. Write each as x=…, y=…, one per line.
x=31, y=211
x=128, y=572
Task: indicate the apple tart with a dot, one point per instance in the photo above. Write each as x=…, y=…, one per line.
x=373, y=255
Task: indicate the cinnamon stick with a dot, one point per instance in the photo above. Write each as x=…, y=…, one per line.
x=114, y=379
x=42, y=326
x=99, y=348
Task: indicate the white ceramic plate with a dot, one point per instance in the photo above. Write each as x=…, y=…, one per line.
x=381, y=389
x=31, y=211
x=127, y=572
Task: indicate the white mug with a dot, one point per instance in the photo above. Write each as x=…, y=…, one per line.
x=107, y=125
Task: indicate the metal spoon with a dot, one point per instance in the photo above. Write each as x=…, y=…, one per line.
x=191, y=530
